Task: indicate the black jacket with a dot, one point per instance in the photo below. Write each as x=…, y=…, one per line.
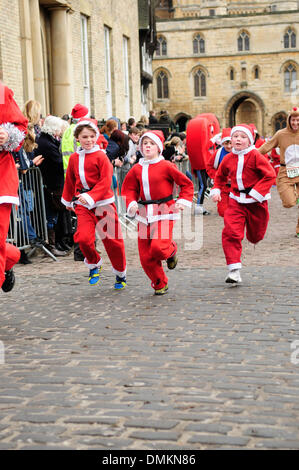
x=52, y=166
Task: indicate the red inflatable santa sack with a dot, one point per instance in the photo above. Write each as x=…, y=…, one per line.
x=200, y=130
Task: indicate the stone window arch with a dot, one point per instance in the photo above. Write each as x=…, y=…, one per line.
x=232, y=73
x=279, y=121
x=161, y=49
x=198, y=44
x=243, y=41
x=200, y=83
x=256, y=72
x=289, y=39
x=162, y=83
x=290, y=77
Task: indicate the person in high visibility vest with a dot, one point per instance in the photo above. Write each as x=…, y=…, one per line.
x=69, y=143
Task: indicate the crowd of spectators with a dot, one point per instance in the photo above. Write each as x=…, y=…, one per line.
x=43, y=147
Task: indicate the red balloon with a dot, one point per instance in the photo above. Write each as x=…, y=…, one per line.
x=200, y=130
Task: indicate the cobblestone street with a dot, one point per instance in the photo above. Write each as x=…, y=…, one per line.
x=206, y=366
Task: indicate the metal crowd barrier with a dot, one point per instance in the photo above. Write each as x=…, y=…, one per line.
x=28, y=223
x=125, y=221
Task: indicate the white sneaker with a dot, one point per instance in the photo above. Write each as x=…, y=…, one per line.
x=234, y=277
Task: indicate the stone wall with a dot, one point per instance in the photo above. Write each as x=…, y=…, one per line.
x=58, y=83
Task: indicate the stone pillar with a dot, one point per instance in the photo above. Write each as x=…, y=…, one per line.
x=61, y=73
x=26, y=46
x=37, y=54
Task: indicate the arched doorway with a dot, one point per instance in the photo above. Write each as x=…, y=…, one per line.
x=181, y=121
x=245, y=107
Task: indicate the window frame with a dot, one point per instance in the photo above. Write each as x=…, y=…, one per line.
x=199, y=84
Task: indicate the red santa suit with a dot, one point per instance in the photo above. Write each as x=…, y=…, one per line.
x=212, y=167
x=15, y=124
x=251, y=178
x=89, y=175
x=153, y=180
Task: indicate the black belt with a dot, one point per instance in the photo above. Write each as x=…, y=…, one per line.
x=245, y=190
x=156, y=201
x=282, y=164
x=81, y=191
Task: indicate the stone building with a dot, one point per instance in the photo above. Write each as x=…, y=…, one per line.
x=238, y=59
x=61, y=52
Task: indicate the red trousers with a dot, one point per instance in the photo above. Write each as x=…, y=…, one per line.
x=9, y=254
x=155, y=244
x=223, y=204
x=254, y=217
x=104, y=221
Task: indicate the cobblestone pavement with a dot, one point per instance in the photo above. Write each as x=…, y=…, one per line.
x=207, y=366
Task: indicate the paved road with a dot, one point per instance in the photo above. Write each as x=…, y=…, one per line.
x=208, y=366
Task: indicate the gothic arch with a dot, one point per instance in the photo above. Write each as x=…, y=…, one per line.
x=238, y=99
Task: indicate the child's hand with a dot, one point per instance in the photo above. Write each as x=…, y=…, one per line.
x=82, y=200
x=216, y=198
x=179, y=206
x=71, y=209
x=38, y=160
x=3, y=136
x=133, y=209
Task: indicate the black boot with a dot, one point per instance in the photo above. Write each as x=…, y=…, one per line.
x=24, y=258
x=51, y=247
x=9, y=282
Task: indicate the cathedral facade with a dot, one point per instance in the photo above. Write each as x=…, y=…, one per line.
x=237, y=59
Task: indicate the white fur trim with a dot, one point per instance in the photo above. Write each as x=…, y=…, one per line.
x=81, y=169
x=88, y=199
x=245, y=130
x=93, y=266
x=184, y=202
x=9, y=200
x=217, y=158
x=233, y=266
x=119, y=273
x=66, y=203
x=88, y=123
x=242, y=199
x=153, y=137
x=240, y=171
x=256, y=195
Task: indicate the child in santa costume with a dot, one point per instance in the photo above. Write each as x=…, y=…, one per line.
x=213, y=165
x=13, y=127
x=88, y=189
x=251, y=178
x=287, y=140
x=147, y=190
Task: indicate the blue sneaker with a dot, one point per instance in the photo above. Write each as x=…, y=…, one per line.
x=94, y=276
x=120, y=283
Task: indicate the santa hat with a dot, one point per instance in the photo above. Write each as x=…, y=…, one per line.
x=79, y=111
x=225, y=136
x=89, y=122
x=156, y=136
x=247, y=129
x=254, y=128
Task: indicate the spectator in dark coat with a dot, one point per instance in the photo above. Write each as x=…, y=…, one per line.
x=53, y=174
